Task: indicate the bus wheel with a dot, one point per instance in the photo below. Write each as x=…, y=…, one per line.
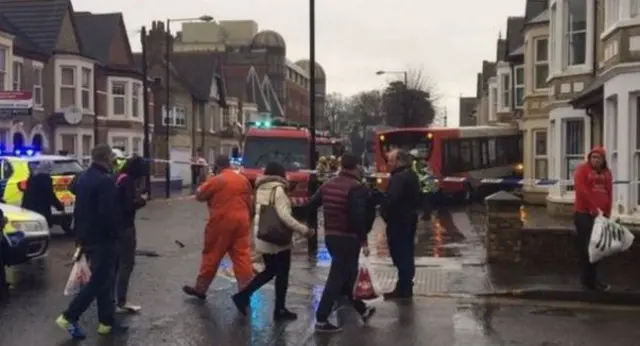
x=66, y=223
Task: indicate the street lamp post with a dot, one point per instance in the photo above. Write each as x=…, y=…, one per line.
x=405, y=105
x=146, y=151
x=166, y=115
x=312, y=243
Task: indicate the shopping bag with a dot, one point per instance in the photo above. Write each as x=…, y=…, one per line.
x=80, y=275
x=608, y=238
x=366, y=286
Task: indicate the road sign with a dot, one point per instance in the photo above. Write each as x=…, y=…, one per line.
x=16, y=102
x=72, y=115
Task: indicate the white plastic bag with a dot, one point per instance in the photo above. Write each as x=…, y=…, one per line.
x=367, y=286
x=80, y=275
x=608, y=238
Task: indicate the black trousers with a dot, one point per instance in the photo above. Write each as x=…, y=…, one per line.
x=4, y=286
x=126, y=260
x=103, y=263
x=584, y=226
x=343, y=273
x=401, y=236
x=275, y=265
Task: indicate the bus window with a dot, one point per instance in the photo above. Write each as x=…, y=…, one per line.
x=501, y=156
x=492, y=152
x=465, y=154
x=454, y=157
x=485, y=153
x=408, y=141
x=476, y=152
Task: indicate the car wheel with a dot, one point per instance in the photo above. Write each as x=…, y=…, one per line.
x=67, y=225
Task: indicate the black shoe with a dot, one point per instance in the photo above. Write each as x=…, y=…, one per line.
x=398, y=294
x=598, y=286
x=367, y=314
x=284, y=315
x=190, y=291
x=242, y=303
x=327, y=327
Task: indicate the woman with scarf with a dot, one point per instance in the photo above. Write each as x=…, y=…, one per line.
x=39, y=195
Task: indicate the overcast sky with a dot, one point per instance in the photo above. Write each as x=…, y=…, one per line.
x=354, y=38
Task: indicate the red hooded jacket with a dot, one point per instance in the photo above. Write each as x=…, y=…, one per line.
x=593, y=188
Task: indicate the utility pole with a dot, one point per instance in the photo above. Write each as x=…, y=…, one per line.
x=146, y=150
x=312, y=243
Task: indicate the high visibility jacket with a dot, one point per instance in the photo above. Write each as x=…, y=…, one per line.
x=428, y=183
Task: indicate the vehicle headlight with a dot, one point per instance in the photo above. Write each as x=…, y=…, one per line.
x=379, y=180
x=519, y=167
x=28, y=226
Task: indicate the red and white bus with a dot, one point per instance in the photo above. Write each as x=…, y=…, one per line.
x=475, y=152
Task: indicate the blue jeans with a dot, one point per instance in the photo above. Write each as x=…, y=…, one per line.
x=101, y=287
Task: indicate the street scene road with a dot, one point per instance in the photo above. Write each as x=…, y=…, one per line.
x=451, y=305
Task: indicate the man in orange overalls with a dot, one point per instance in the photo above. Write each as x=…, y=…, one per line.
x=229, y=199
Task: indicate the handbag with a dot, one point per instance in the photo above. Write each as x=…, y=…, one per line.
x=270, y=228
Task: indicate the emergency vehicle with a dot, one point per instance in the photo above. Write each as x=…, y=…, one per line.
x=472, y=152
x=32, y=230
x=279, y=141
x=16, y=167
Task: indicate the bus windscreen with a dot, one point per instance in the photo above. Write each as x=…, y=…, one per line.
x=292, y=153
x=407, y=141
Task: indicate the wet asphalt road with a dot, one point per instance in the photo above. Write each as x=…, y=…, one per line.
x=168, y=318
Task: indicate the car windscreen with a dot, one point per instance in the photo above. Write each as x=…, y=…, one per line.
x=292, y=153
x=408, y=141
x=60, y=167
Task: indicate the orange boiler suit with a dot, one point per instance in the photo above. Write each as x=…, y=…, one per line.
x=229, y=199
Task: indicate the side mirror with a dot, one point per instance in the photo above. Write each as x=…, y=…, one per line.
x=235, y=152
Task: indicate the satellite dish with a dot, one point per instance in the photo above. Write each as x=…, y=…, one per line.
x=72, y=115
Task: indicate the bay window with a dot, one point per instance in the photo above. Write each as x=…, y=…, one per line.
x=176, y=117
x=118, y=98
x=518, y=88
x=634, y=10
x=86, y=88
x=17, y=75
x=540, y=150
x=136, y=101
x=3, y=67
x=226, y=118
x=493, y=102
x=505, y=90
x=541, y=63
x=37, y=86
x=612, y=13
x=68, y=86
x=574, y=147
x=575, y=32
x=136, y=146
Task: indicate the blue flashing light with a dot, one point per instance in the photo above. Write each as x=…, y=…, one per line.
x=20, y=151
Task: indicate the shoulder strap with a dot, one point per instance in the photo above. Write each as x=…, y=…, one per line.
x=121, y=177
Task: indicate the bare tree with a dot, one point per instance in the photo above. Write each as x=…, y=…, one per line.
x=336, y=108
x=412, y=104
x=367, y=107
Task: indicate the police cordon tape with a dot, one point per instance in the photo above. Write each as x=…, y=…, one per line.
x=473, y=180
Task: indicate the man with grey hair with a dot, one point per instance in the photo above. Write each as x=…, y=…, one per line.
x=400, y=212
x=98, y=221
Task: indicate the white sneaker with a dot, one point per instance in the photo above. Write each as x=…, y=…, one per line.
x=128, y=309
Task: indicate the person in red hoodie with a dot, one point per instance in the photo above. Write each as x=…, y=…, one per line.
x=593, y=189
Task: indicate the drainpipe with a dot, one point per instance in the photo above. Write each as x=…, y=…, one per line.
x=594, y=65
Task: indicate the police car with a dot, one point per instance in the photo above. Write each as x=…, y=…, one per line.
x=17, y=166
x=33, y=229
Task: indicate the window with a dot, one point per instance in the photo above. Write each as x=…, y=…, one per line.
x=636, y=152
x=3, y=66
x=37, y=86
x=118, y=98
x=17, y=76
x=519, y=86
x=67, y=86
x=505, y=85
x=87, y=144
x=68, y=144
x=121, y=143
x=553, y=65
x=136, y=145
x=541, y=171
x=180, y=116
x=634, y=10
x=493, y=99
x=573, y=146
x=86, y=88
x=576, y=32
x=541, y=63
x=612, y=12
x=212, y=120
x=136, y=101
x=226, y=117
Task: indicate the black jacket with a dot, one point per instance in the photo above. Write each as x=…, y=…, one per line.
x=359, y=216
x=403, y=196
x=129, y=197
x=98, y=217
x=39, y=196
